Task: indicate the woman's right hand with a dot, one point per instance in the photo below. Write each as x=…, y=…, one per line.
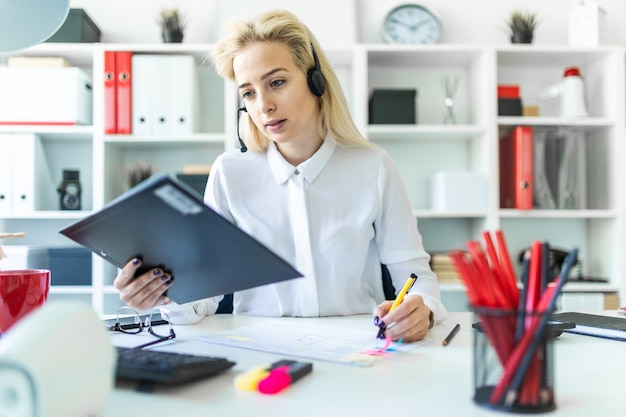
x=144, y=291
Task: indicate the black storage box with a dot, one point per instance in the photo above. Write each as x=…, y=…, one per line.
x=77, y=28
x=392, y=107
x=69, y=266
x=509, y=107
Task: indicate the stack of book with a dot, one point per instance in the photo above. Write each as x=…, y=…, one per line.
x=443, y=267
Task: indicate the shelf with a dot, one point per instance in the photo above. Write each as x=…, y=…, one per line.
x=430, y=214
x=533, y=56
x=52, y=133
x=165, y=140
x=424, y=132
x=79, y=54
x=71, y=289
x=558, y=214
x=591, y=122
x=48, y=215
x=419, y=150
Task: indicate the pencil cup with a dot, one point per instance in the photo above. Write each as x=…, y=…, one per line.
x=513, y=363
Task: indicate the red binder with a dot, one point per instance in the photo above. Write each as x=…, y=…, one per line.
x=110, y=93
x=124, y=92
x=516, y=169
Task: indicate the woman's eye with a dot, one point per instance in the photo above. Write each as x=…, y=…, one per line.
x=277, y=83
x=246, y=94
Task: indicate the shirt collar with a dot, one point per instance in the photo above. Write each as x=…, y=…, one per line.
x=310, y=169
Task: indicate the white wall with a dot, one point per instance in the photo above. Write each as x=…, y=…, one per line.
x=345, y=21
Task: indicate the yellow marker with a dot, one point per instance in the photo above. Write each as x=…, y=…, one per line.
x=405, y=290
x=249, y=381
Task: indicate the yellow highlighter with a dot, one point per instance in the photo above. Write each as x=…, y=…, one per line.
x=404, y=291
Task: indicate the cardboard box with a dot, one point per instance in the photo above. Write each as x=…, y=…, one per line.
x=24, y=257
x=77, y=28
x=459, y=191
x=70, y=266
x=392, y=107
x=58, y=96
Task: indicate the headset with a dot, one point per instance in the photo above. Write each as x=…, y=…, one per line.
x=314, y=77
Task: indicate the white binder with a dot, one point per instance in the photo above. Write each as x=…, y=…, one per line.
x=183, y=94
x=164, y=94
x=142, y=83
x=32, y=185
x=7, y=159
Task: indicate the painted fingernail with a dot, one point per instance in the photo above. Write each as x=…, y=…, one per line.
x=170, y=282
x=381, y=324
x=136, y=261
x=157, y=272
x=165, y=278
x=376, y=320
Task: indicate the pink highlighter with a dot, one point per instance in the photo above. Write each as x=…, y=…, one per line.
x=274, y=378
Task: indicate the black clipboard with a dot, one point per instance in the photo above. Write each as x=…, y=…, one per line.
x=168, y=225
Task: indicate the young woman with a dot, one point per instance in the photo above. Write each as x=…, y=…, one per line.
x=311, y=188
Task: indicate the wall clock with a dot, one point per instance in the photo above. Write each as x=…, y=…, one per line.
x=412, y=24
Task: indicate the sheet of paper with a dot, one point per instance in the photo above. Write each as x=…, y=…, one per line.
x=308, y=340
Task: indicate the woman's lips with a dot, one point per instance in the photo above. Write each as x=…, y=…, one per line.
x=275, y=125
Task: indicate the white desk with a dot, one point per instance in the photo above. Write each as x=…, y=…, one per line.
x=431, y=380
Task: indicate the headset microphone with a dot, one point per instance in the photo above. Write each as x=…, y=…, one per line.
x=242, y=146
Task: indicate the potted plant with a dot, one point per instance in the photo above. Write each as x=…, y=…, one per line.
x=172, y=23
x=138, y=172
x=521, y=26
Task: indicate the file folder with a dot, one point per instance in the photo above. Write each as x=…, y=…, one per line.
x=164, y=94
x=110, y=93
x=182, y=93
x=123, y=62
x=167, y=224
x=32, y=186
x=573, y=172
x=544, y=192
x=516, y=169
x=6, y=174
x=143, y=66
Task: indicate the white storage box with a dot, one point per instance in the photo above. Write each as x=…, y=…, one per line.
x=24, y=257
x=459, y=191
x=58, y=96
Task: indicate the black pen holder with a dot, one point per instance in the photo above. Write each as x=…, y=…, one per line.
x=513, y=361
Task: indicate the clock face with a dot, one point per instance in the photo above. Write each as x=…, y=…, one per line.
x=412, y=24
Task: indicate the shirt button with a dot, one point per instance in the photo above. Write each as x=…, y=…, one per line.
x=297, y=172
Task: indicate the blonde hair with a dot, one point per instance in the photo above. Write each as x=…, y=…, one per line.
x=283, y=27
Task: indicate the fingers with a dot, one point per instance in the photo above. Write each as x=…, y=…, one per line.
x=409, y=321
x=144, y=291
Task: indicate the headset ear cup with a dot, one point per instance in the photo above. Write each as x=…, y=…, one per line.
x=315, y=79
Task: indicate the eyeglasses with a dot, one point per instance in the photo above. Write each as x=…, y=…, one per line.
x=130, y=321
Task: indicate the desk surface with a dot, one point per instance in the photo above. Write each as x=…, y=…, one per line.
x=429, y=379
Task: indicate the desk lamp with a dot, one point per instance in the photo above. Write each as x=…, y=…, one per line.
x=58, y=360
x=25, y=23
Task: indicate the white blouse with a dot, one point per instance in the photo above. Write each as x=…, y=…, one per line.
x=336, y=217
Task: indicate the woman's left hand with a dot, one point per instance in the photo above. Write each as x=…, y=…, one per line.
x=409, y=321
